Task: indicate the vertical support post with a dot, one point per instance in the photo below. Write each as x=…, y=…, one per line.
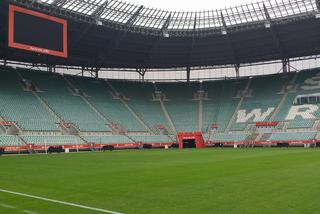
x=49, y=68
x=141, y=72
x=77, y=146
x=188, y=73
x=286, y=65
x=237, y=68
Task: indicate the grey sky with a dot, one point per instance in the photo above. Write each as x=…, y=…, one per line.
x=190, y=5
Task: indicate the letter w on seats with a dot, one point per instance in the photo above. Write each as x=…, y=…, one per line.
x=256, y=114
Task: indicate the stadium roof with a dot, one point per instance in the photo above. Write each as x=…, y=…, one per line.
x=122, y=12
x=117, y=34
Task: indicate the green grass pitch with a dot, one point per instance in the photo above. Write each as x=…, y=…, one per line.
x=165, y=181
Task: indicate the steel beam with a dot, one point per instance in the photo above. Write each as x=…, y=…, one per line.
x=100, y=10
x=121, y=36
x=134, y=17
x=165, y=26
x=233, y=52
x=273, y=32
x=59, y=3
x=192, y=42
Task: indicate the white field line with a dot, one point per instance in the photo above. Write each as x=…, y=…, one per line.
x=7, y=206
x=29, y=212
x=60, y=202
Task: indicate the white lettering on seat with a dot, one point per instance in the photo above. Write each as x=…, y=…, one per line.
x=257, y=114
x=304, y=111
x=312, y=83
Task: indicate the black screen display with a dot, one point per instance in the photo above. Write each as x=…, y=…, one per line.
x=38, y=32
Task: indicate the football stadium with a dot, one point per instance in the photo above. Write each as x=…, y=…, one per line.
x=108, y=106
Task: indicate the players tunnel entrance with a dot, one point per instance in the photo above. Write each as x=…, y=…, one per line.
x=189, y=143
x=190, y=140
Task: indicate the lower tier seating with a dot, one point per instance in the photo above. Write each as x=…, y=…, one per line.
x=152, y=139
x=301, y=124
x=111, y=139
x=286, y=136
x=10, y=140
x=53, y=140
x=230, y=137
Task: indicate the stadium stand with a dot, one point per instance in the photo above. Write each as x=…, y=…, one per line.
x=181, y=106
x=112, y=139
x=68, y=106
x=94, y=106
x=10, y=140
x=22, y=106
x=152, y=138
x=120, y=139
x=229, y=137
x=107, y=103
x=52, y=140
x=304, y=120
x=265, y=97
x=221, y=103
x=287, y=136
x=139, y=97
x=300, y=124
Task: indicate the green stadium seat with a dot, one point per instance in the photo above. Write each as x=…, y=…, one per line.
x=287, y=136
x=221, y=103
x=53, y=140
x=71, y=108
x=112, y=139
x=181, y=107
x=230, y=137
x=10, y=140
x=100, y=95
x=22, y=106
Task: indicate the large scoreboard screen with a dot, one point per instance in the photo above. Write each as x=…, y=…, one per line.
x=37, y=32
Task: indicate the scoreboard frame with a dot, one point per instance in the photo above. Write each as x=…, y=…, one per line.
x=41, y=50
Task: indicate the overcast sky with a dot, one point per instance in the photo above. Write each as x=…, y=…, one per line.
x=190, y=5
